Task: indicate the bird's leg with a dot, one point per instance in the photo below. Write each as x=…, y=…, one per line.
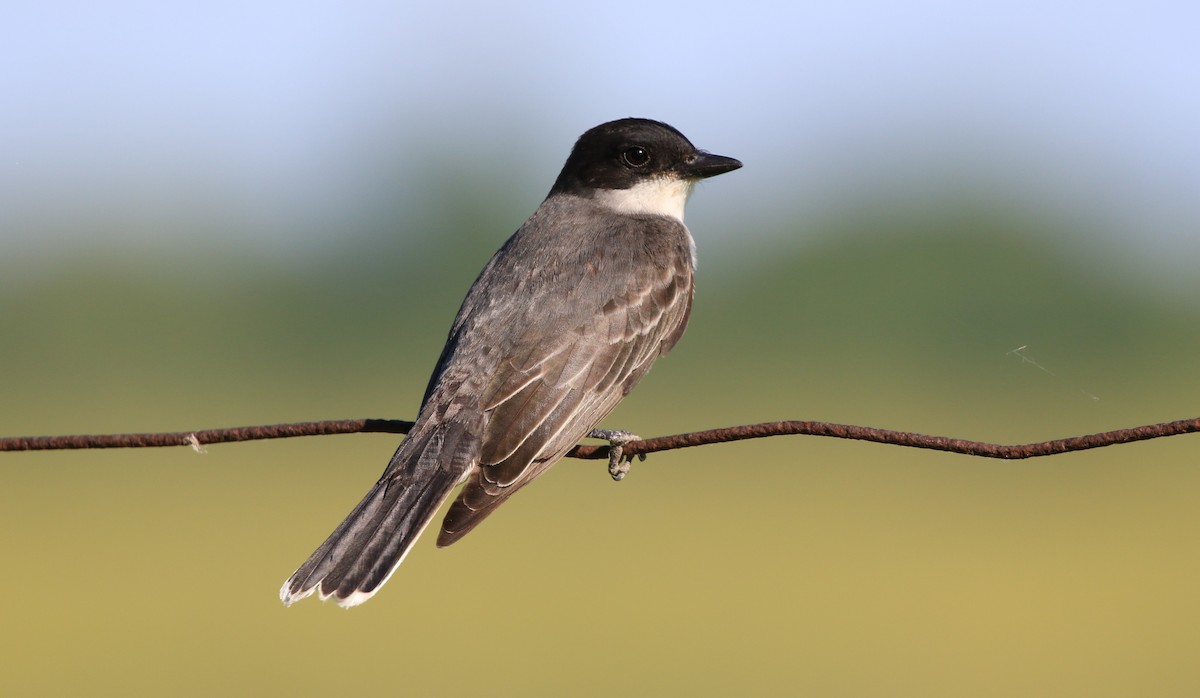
x=618, y=464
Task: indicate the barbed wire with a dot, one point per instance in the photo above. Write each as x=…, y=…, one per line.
x=198, y=439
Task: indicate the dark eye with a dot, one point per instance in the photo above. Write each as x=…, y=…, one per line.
x=635, y=156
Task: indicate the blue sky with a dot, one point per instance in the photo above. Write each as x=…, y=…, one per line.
x=268, y=116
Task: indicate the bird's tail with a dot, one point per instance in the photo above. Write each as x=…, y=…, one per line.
x=367, y=547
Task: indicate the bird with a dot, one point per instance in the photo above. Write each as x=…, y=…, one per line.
x=561, y=324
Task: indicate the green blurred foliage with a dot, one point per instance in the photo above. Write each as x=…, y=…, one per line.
x=780, y=566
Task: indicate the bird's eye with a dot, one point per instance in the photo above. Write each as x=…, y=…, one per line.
x=635, y=156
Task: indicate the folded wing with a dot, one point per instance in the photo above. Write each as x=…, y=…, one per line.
x=551, y=392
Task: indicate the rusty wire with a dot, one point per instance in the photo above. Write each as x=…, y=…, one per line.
x=197, y=439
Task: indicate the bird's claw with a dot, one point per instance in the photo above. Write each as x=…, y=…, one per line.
x=618, y=462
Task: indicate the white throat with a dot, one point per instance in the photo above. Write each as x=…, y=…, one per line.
x=661, y=196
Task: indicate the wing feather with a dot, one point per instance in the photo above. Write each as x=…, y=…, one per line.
x=574, y=386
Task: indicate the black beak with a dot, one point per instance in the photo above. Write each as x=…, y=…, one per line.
x=702, y=165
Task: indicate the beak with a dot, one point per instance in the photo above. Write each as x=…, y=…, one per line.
x=702, y=165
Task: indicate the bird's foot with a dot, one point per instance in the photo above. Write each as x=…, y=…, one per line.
x=618, y=463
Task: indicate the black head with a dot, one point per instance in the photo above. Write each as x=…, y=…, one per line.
x=624, y=153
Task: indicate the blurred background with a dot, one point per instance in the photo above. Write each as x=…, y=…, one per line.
x=219, y=214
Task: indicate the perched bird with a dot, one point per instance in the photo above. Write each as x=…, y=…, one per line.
x=560, y=325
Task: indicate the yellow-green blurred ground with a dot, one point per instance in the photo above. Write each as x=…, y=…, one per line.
x=789, y=566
